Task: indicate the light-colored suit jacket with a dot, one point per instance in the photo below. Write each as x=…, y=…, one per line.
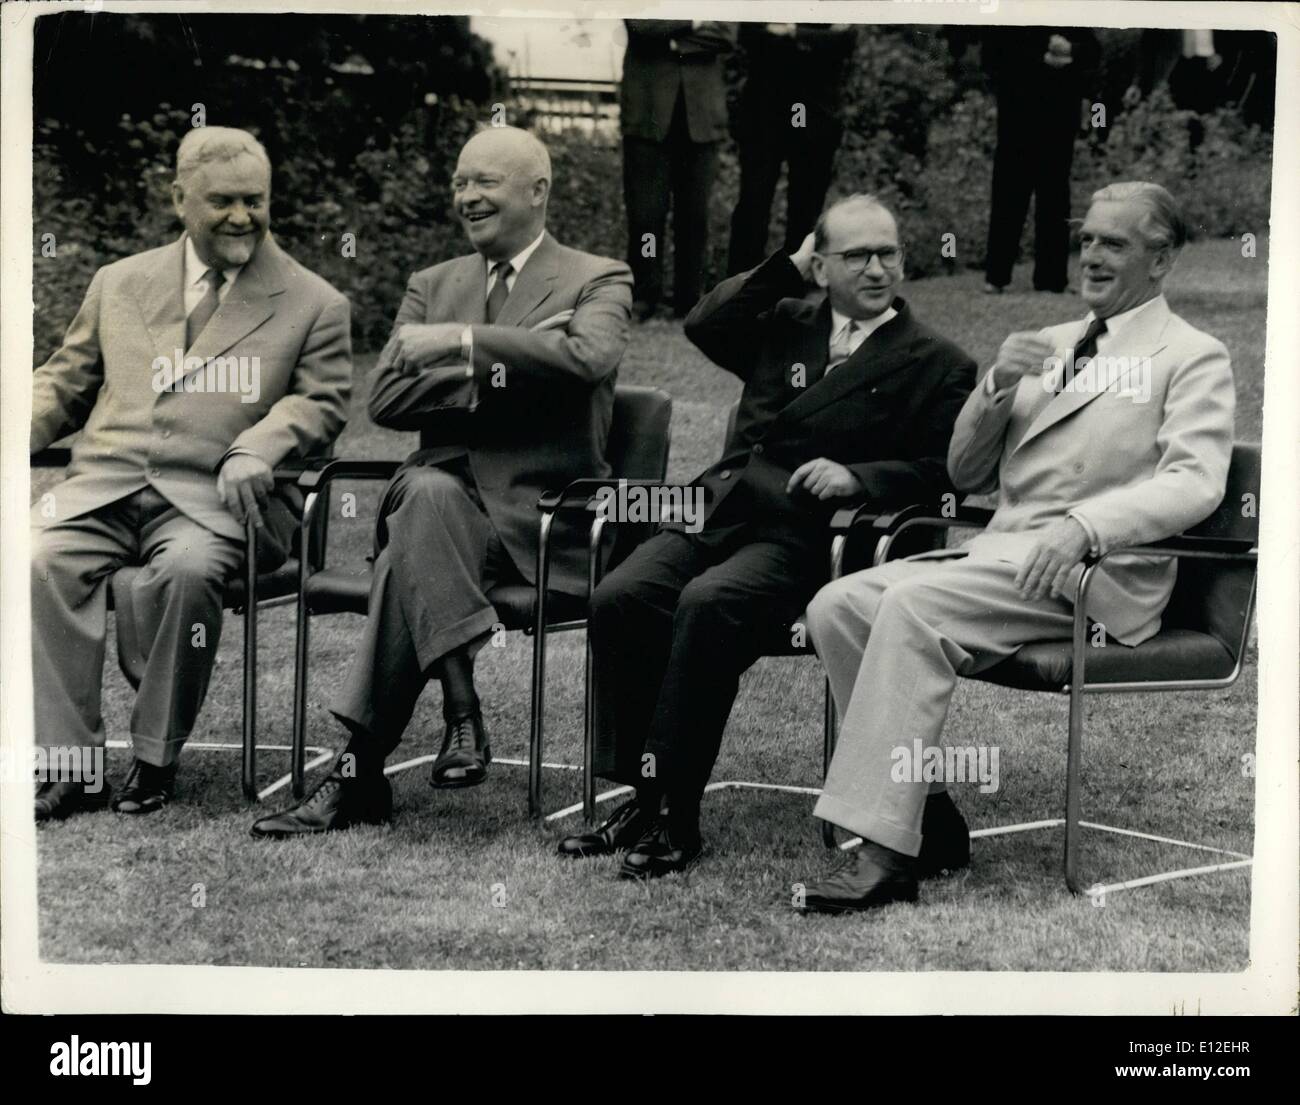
x=1139, y=461
x=284, y=335
x=535, y=412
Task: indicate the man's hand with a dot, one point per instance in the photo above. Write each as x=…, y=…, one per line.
x=1048, y=566
x=802, y=258
x=1024, y=353
x=418, y=345
x=824, y=479
x=244, y=483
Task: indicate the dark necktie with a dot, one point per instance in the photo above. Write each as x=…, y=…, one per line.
x=500, y=290
x=205, y=308
x=1083, y=352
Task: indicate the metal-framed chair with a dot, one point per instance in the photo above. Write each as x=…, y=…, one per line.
x=274, y=588
x=1201, y=645
x=637, y=450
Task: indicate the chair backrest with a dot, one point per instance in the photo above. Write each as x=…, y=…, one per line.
x=639, y=435
x=1213, y=596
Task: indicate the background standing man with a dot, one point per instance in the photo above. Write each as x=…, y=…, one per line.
x=673, y=111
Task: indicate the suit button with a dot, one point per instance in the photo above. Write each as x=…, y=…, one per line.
x=167, y=433
x=725, y=474
x=758, y=449
x=1078, y=466
x=154, y=473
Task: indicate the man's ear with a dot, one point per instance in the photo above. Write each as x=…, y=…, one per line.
x=1163, y=262
x=819, y=270
x=541, y=191
x=178, y=198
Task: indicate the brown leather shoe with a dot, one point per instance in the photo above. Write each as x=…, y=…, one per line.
x=465, y=755
x=147, y=788
x=870, y=875
x=622, y=830
x=58, y=800
x=337, y=802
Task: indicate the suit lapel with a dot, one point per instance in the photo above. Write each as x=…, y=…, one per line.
x=1143, y=338
x=886, y=351
x=464, y=297
x=533, y=284
x=162, y=302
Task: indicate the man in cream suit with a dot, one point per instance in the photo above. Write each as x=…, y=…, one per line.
x=505, y=361
x=191, y=371
x=1111, y=431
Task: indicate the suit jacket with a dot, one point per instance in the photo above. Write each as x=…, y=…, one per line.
x=535, y=413
x=806, y=67
x=886, y=413
x=1133, y=469
x=291, y=328
x=665, y=58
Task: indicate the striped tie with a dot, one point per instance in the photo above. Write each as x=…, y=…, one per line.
x=500, y=290
x=205, y=308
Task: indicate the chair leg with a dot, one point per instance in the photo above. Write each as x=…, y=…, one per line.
x=1073, y=773
x=298, y=749
x=536, y=734
x=248, y=773
x=589, y=735
x=828, y=751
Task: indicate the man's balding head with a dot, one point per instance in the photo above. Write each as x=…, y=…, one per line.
x=500, y=189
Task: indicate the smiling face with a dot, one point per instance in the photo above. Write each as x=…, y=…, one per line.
x=1120, y=270
x=225, y=205
x=850, y=229
x=499, y=192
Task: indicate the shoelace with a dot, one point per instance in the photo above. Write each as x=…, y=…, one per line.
x=327, y=787
x=462, y=735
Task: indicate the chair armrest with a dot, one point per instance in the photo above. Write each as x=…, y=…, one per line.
x=316, y=474
x=931, y=514
x=52, y=458
x=1190, y=546
x=582, y=494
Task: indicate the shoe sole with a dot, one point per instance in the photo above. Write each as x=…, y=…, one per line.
x=635, y=874
x=844, y=907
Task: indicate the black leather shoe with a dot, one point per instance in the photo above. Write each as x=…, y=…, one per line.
x=465, y=755
x=662, y=850
x=945, y=838
x=625, y=827
x=338, y=802
x=147, y=788
x=56, y=801
x=869, y=876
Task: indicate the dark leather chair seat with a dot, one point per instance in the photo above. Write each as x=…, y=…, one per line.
x=1172, y=654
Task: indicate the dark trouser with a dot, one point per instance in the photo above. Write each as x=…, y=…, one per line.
x=1035, y=148
x=673, y=628
x=168, y=614
x=766, y=141
x=652, y=172
x=438, y=556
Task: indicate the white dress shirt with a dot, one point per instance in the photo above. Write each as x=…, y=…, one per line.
x=864, y=328
x=195, y=286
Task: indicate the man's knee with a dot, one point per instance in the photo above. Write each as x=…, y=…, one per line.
x=431, y=487
x=844, y=601
x=198, y=567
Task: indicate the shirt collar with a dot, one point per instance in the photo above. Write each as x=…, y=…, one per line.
x=520, y=259
x=195, y=266
x=1116, y=323
x=866, y=326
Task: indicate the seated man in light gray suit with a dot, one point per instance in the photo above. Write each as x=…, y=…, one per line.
x=1129, y=448
x=505, y=361
x=191, y=371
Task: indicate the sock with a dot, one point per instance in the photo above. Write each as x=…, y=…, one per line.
x=367, y=759
x=456, y=673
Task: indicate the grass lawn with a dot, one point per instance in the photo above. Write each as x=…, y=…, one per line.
x=465, y=880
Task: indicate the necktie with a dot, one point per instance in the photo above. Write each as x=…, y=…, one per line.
x=1083, y=352
x=843, y=346
x=500, y=290
x=205, y=308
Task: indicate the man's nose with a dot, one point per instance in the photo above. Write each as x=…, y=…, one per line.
x=239, y=214
x=875, y=266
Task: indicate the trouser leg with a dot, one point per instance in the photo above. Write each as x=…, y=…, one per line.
x=930, y=623
x=811, y=163
x=427, y=599
x=175, y=615
x=630, y=622
x=760, y=167
x=1052, y=198
x=1013, y=176
x=726, y=618
x=694, y=165
x=646, y=191
x=72, y=562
